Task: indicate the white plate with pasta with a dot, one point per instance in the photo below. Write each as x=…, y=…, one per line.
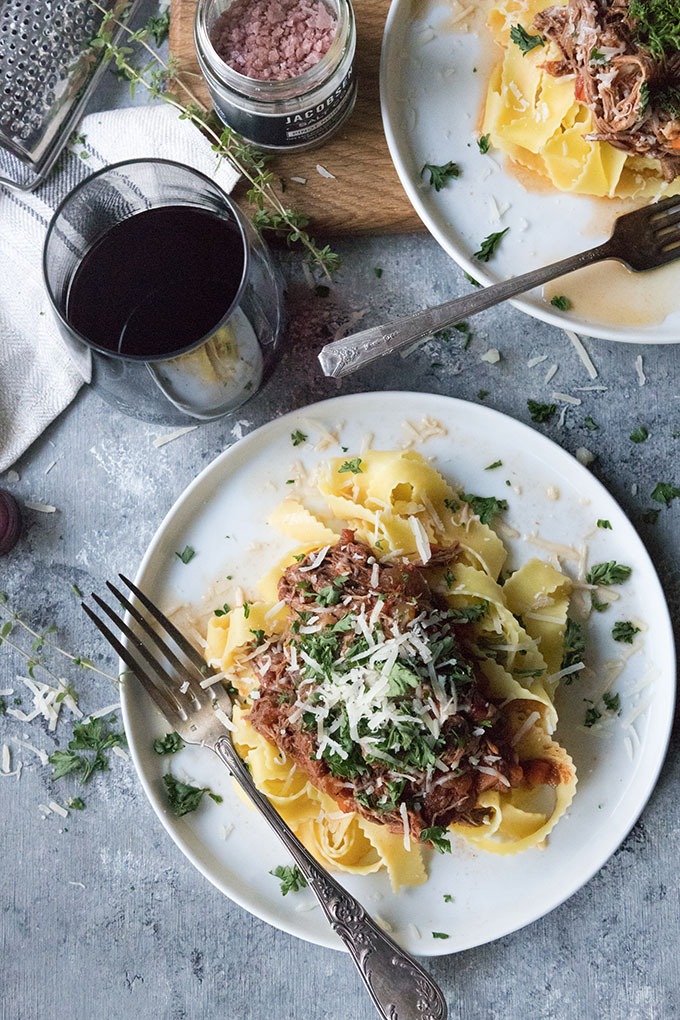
x=218, y=542
x=435, y=71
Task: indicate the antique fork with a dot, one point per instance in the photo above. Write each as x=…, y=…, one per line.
x=644, y=239
x=173, y=674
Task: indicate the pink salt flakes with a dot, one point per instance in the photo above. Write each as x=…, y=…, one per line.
x=273, y=40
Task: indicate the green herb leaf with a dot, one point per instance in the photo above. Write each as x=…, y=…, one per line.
x=290, y=877
x=624, y=630
x=485, y=507
x=639, y=435
x=448, y=898
x=298, y=437
x=665, y=493
x=483, y=144
x=606, y=525
x=76, y=804
x=526, y=42
x=574, y=646
x=182, y=797
x=169, y=744
x=226, y=608
x=440, y=173
x=540, y=412
x=592, y=716
x=561, y=302
x=612, y=702
x=489, y=245
x=437, y=835
x=656, y=26
x=589, y=424
x=610, y=572
x=496, y=464
x=187, y=554
x=440, y=935
x=352, y=466
x=378, y=271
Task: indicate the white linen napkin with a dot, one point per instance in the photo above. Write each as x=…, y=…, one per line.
x=38, y=378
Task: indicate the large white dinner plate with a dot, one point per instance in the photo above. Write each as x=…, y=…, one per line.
x=222, y=515
x=433, y=80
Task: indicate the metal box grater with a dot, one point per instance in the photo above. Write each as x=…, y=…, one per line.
x=48, y=70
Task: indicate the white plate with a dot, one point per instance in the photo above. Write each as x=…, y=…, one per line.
x=222, y=515
x=432, y=87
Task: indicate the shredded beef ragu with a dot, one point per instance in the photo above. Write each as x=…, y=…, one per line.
x=474, y=735
x=621, y=82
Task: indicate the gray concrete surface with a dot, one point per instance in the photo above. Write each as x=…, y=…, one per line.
x=101, y=915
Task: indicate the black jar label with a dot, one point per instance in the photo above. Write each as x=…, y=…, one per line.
x=288, y=130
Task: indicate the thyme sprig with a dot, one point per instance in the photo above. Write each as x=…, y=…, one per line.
x=166, y=80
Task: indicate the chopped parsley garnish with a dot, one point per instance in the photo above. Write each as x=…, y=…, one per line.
x=440, y=935
x=332, y=593
x=290, y=877
x=184, y=798
x=656, y=26
x=448, y=898
x=452, y=505
x=589, y=424
x=540, y=412
x=482, y=394
x=610, y=572
x=352, y=466
x=561, y=302
x=526, y=42
x=592, y=716
x=485, y=507
x=489, y=245
x=187, y=554
x=598, y=606
x=76, y=804
x=467, y=614
x=223, y=611
x=437, y=836
x=246, y=609
x=483, y=144
x=378, y=271
x=441, y=173
x=597, y=57
x=612, y=702
x=605, y=524
x=298, y=437
x=471, y=279
x=258, y=635
x=624, y=630
x=169, y=744
x=665, y=493
x=574, y=646
x=92, y=737
x=639, y=435
x=496, y=464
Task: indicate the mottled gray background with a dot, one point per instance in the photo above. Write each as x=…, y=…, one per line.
x=101, y=914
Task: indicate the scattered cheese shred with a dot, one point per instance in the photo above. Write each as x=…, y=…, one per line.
x=170, y=437
x=582, y=353
x=41, y=508
x=492, y=356
x=642, y=378
x=324, y=172
x=58, y=809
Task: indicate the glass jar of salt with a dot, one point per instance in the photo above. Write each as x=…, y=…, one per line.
x=280, y=72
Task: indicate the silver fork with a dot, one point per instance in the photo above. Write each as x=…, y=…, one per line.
x=644, y=239
x=400, y=988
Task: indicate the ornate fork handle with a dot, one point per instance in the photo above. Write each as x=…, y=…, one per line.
x=399, y=986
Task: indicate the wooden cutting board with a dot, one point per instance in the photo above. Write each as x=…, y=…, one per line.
x=366, y=195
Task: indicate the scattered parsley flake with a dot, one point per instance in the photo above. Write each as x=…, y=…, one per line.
x=598, y=606
x=171, y=743
x=440, y=935
x=184, y=798
x=639, y=435
x=665, y=493
x=496, y=464
x=526, y=42
x=76, y=804
x=573, y=647
x=352, y=466
x=187, y=554
x=540, y=412
x=482, y=394
x=441, y=173
x=448, y=898
x=437, y=836
x=612, y=702
x=226, y=608
x=561, y=302
x=485, y=507
x=290, y=877
x=471, y=279
x=610, y=572
x=483, y=144
x=378, y=271
x=625, y=631
x=246, y=609
x=298, y=437
x=589, y=424
x=489, y=245
x=604, y=524
x=592, y=716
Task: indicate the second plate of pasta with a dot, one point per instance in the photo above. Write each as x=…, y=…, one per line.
x=437, y=68
x=483, y=535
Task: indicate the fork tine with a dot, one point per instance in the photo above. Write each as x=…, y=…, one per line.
x=159, y=694
x=658, y=209
x=162, y=645
x=167, y=682
x=185, y=646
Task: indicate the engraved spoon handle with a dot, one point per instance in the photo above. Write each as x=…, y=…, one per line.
x=400, y=988
x=352, y=352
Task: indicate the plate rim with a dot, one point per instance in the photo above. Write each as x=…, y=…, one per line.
x=455, y=251
x=169, y=822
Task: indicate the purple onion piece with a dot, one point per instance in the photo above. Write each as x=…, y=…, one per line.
x=10, y=522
